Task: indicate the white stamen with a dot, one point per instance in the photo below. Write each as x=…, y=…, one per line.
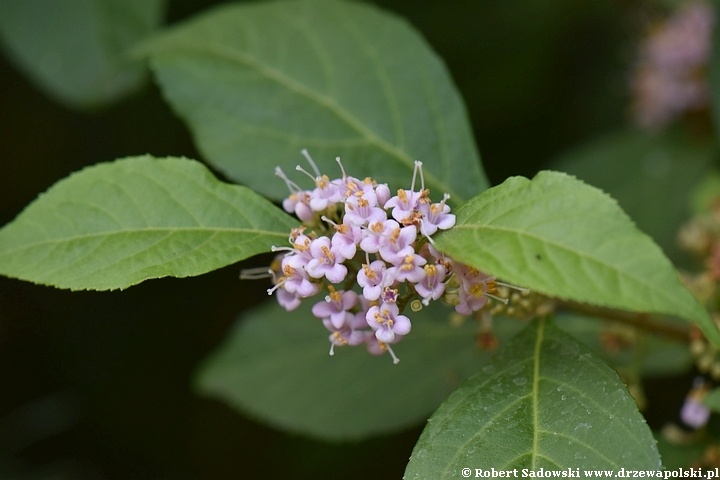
x=367, y=259
x=301, y=169
x=310, y=161
x=329, y=221
x=342, y=169
x=446, y=197
x=396, y=360
x=270, y=291
x=273, y=248
x=292, y=186
x=520, y=289
x=255, y=273
x=332, y=349
x=432, y=242
x=418, y=167
x=494, y=297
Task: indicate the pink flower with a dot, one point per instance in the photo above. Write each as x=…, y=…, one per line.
x=370, y=278
x=410, y=270
x=349, y=332
x=289, y=301
x=403, y=204
x=295, y=280
x=387, y=322
x=396, y=245
x=326, y=261
x=431, y=286
x=435, y=216
x=335, y=305
x=361, y=208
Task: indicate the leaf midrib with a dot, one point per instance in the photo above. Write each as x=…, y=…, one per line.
x=329, y=104
x=599, y=261
x=535, y=398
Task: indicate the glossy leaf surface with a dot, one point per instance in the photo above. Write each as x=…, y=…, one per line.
x=258, y=83
x=562, y=237
x=275, y=366
x=76, y=50
x=544, y=402
x=116, y=224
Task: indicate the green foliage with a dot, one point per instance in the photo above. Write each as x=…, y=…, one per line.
x=649, y=355
x=706, y=193
x=116, y=224
x=275, y=365
x=650, y=175
x=76, y=50
x=712, y=400
x=544, y=401
x=679, y=455
x=714, y=73
x=561, y=237
x=257, y=83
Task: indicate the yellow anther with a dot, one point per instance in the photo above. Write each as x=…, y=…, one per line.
x=407, y=263
x=476, y=290
x=369, y=272
x=326, y=251
x=302, y=247
x=322, y=182
x=335, y=296
x=339, y=338
x=395, y=235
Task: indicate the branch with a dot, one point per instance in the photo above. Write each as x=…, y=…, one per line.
x=645, y=321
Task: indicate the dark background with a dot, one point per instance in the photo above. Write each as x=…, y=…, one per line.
x=96, y=385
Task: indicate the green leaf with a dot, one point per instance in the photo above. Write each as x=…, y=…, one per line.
x=257, y=83
x=706, y=193
x=651, y=355
x=560, y=237
x=676, y=456
x=544, y=402
x=275, y=366
x=712, y=400
x=116, y=224
x=75, y=50
x=650, y=175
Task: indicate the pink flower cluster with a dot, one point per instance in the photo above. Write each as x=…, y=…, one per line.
x=355, y=233
x=671, y=75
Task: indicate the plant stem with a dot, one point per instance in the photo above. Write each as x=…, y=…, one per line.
x=645, y=321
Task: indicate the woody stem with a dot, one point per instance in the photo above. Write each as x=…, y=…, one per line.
x=645, y=321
